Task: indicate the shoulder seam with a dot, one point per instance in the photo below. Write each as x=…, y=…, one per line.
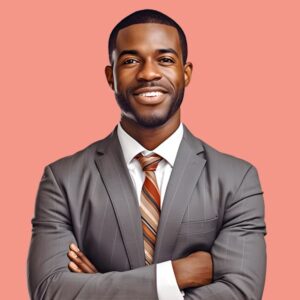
x=243, y=179
x=55, y=180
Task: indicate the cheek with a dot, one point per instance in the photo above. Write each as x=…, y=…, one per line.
x=175, y=78
x=123, y=82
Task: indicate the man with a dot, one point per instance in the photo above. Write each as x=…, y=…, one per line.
x=155, y=212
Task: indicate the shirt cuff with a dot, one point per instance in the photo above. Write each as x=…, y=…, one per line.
x=166, y=283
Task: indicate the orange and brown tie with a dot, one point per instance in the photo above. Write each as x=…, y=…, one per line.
x=150, y=203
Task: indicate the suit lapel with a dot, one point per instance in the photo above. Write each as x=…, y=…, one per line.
x=116, y=178
x=187, y=169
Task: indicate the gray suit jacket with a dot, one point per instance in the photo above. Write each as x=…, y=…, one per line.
x=213, y=203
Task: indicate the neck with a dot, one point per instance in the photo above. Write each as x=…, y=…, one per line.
x=150, y=138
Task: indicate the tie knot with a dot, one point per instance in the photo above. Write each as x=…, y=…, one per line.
x=149, y=162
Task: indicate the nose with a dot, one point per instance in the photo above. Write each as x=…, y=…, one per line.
x=148, y=71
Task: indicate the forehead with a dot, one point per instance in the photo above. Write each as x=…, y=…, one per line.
x=148, y=36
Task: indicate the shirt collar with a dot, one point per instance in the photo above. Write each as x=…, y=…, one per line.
x=167, y=149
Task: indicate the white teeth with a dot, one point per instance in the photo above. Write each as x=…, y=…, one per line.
x=151, y=94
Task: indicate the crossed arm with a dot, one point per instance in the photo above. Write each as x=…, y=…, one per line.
x=238, y=254
x=192, y=271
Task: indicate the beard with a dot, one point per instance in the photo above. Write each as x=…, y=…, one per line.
x=150, y=121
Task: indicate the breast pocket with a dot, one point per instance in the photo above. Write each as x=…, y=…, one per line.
x=196, y=235
x=198, y=227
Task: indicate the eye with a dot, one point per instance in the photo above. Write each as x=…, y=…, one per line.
x=130, y=61
x=166, y=60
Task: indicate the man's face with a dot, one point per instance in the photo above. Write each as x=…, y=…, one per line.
x=148, y=75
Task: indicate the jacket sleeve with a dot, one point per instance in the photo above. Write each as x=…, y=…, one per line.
x=239, y=252
x=47, y=265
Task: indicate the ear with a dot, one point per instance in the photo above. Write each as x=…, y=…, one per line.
x=188, y=69
x=109, y=76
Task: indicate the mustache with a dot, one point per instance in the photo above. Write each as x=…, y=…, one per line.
x=151, y=84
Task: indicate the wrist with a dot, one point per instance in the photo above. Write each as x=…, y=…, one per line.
x=181, y=274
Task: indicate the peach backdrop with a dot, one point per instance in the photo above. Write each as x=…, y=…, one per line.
x=243, y=100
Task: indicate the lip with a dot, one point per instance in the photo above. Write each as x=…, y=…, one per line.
x=153, y=100
x=149, y=89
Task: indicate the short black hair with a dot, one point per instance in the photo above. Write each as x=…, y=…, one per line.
x=147, y=16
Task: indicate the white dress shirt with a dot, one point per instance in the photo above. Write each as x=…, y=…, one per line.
x=167, y=287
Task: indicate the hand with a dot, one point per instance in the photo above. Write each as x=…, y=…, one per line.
x=194, y=270
x=79, y=263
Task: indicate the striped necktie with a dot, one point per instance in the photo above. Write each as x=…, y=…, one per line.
x=150, y=203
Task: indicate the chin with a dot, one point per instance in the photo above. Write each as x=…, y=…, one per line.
x=151, y=122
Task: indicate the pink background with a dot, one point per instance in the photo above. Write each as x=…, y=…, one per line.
x=243, y=100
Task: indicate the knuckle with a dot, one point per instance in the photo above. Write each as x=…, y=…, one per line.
x=80, y=263
x=80, y=254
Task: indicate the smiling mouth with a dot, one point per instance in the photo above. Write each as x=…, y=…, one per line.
x=150, y=94
x=150, y=98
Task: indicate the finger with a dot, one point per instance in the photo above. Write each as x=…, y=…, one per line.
x=83, y=258
x=73, y=267
x=81, y=255
x=86, y=261
x=79, y=262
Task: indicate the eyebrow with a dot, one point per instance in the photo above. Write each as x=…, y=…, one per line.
x=168, y=50
x=160, y=51
x=125, y=52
